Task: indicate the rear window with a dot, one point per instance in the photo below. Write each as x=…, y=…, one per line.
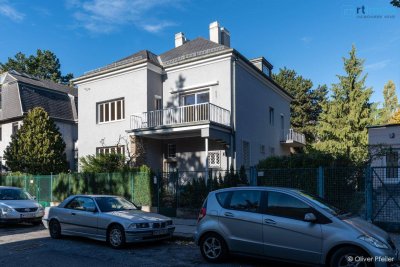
x=221, y=198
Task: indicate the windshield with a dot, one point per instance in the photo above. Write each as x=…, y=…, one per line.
x=107, y=204
x=14, y=194
x=320, y=202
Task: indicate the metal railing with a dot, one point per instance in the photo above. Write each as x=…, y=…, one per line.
x=293, y=136
x=205, y=112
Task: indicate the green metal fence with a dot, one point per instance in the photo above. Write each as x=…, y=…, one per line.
x=55, y=188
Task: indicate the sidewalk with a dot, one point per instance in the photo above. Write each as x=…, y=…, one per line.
x=184, y=228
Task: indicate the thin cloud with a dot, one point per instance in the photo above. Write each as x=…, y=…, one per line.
x=104, y=16
x=306, y=39
x=10, y=12
x=378, y=65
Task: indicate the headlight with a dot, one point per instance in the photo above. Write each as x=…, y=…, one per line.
x=373, y=241
x=6, y=209
x=139, y=225
x=40, y=208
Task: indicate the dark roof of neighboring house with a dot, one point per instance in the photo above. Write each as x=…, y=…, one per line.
x=59, y=101
x=28, y=79
x=191, y=49
x=384, y=125
x=57, y=105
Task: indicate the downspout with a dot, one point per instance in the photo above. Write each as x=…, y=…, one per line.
x=233, y=114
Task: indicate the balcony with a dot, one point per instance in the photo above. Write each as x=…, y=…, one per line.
x=293, y=139
x=181, y=116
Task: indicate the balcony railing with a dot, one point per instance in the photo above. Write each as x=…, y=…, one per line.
x=293, y=137
x=205, y=112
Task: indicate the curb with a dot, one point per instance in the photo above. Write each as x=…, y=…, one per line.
x=182, y=237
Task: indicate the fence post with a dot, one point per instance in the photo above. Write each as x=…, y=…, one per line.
x=253, y=176
x=321, y=184
x=131, y=180
x=368, y=194
x=158, y=192
x=51, y=187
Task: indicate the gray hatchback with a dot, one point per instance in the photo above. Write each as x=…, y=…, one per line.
x=288, y=225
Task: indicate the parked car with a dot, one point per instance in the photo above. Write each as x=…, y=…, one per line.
x=108, y=218
x=17, y=205
x=288, y=225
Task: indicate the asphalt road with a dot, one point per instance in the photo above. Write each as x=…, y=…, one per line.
x=25, y=245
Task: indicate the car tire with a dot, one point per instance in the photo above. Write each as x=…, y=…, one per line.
x=213, y=247
x=346, y=256
x=116, y=237
x=55, y=229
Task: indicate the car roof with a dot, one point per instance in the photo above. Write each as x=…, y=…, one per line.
x=83, y=195
x=9, y=187
x=274, y=188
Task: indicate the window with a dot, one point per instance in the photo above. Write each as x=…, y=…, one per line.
x=392, y=159
x=272, y=151
x=284, y=205
x=171, y=151
x=111, y=150
x=81, y=203
x=157, y=103
x=14, y=128
x=214, y=159
x=271, y=116
x=245, y=200
x=246, y=153
x=111, y=111
x=196, y=98
x=222, y=197
x=1, y=134
x=262, y=149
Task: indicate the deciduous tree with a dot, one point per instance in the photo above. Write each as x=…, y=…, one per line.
x=43, y=65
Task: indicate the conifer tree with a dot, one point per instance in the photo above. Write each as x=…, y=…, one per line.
x=342, y=124
x=37, y=147
x=390, y=105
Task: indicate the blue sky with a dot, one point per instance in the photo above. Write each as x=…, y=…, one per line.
x=310, y=37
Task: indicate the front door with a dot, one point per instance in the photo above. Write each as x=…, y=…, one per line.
x=286, y=234
x=241, y=221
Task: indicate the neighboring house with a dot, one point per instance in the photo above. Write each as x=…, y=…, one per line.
x=200, y=98
x=21, y=92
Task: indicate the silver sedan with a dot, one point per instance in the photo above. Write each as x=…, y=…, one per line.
x=108, y=218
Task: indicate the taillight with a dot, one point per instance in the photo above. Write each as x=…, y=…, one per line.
x=202, y=213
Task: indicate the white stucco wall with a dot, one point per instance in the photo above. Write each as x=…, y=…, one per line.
x=132, y=86
x=6, y=129
x=386, y=136
x=254, y=97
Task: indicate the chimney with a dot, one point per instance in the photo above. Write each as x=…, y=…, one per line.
x=219, y=35
x=225, y=37
x=180, y=39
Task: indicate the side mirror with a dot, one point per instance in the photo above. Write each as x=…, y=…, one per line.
x=90, y=209
x=34, y=197
x=139, y=207
x=310, y=217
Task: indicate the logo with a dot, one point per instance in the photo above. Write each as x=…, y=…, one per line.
x=27, y=209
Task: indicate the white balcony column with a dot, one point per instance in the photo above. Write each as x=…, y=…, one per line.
x=206, y=176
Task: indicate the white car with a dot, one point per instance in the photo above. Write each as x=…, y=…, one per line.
x=16, y=205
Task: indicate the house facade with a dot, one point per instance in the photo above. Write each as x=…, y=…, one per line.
x=21, y=92
x=198, y=106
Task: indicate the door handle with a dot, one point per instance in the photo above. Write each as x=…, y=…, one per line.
x=229, y=214
x=269, y=221
x=73, y=213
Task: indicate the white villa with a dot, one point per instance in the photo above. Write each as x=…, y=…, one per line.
x=197, y=106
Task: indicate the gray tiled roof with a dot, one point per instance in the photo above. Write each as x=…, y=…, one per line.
x=141, y=55
x=195, y=48
x=57, y=105
x=44, y=83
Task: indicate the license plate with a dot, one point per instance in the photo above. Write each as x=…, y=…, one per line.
x=161, y=232
x=27, y=215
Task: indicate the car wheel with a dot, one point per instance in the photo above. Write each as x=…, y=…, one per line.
x=347, y=257
x=55, y=229
x=213, y=248
x=116, y=236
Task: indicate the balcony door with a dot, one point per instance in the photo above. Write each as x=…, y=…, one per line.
x=194, y=106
